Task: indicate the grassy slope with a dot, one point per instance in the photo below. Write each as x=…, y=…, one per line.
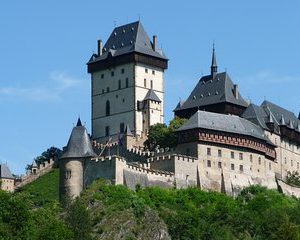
x=45, y=189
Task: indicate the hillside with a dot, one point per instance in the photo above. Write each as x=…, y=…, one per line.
x=45, y=189
x=105, y=211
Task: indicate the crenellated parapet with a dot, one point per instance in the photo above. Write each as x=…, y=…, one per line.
x=36, y=172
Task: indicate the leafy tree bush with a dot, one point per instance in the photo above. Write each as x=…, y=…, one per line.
x=161, y=135
x=79, y=220
x=52, y=152
x=19, y=220
x=293, y=178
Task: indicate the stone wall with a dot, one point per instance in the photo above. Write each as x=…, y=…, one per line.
x=7, y=184
x=288, y=189
x=41, y=170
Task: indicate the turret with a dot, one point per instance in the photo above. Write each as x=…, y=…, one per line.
x=151, y=110
x=270, y=122
x=72, y=162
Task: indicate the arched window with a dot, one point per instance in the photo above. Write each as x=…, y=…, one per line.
x=107, y=110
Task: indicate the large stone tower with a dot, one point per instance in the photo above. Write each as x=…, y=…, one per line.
x=126, y=74
x=72, y=163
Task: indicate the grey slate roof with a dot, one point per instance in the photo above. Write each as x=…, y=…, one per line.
x=79, y=145
x=127, y=39
x=278, y=112
x=224, y=123
x=5, y=172
x=179, y=105
x=269, y=112
x=256, y=114
x=34, y=164
x=151, y=95
x=211, y=91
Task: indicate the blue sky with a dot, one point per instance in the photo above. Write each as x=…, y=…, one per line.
x=44, y=47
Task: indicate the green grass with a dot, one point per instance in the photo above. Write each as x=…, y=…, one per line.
x=45, y=189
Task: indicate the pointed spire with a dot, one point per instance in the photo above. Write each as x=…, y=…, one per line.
x=270, y=120
x=282, y=122
x=34, y=164
x=291, y=124
x=79, y=124
x=214, y=67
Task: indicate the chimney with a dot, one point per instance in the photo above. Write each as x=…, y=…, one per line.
x=154, y=42
x=100, y=47
x=236, y=91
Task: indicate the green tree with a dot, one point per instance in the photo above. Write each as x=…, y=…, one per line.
x=52, y=152
x=79, y=219
x=157, y=136
x=161, y=135
x=293, y=178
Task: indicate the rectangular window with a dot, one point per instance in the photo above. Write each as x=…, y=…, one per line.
x=232, y=155
x=122, y=128
x=146, y=70
x=102, y=75
x=219, y=153
x=145, y=82
x=251, y=158
x=208, y=163
x=107, y=89
x=107, y=131
x=122, y=70
x=219, y=164
x=127, y=83
x=119, y=83
x=241, y=168
x=259, y=161
x=112, y=73
x=208, y=151
x=153, y=72
x=241, y=156
x=232, y=166
x=151, y=84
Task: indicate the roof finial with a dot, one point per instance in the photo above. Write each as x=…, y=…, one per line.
x=214, y=67
x=79, y=124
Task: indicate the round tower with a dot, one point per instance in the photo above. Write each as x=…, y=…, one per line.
x=72, y=163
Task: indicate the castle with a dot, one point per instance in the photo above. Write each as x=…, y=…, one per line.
x=225, y=145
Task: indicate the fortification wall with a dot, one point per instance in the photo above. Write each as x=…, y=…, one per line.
x=41, y=170
x=136, y=175
x=183, y=167
x=117, y=170
x=110, y=167
x=288, y=189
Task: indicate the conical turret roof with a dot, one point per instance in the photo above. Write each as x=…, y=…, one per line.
x=79, y=145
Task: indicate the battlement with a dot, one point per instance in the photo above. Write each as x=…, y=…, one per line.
x=150, y=171
x=108, y=158
x=36, y=172
x=176, y=157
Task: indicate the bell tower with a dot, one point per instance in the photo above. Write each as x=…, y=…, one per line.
x=123, y=72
